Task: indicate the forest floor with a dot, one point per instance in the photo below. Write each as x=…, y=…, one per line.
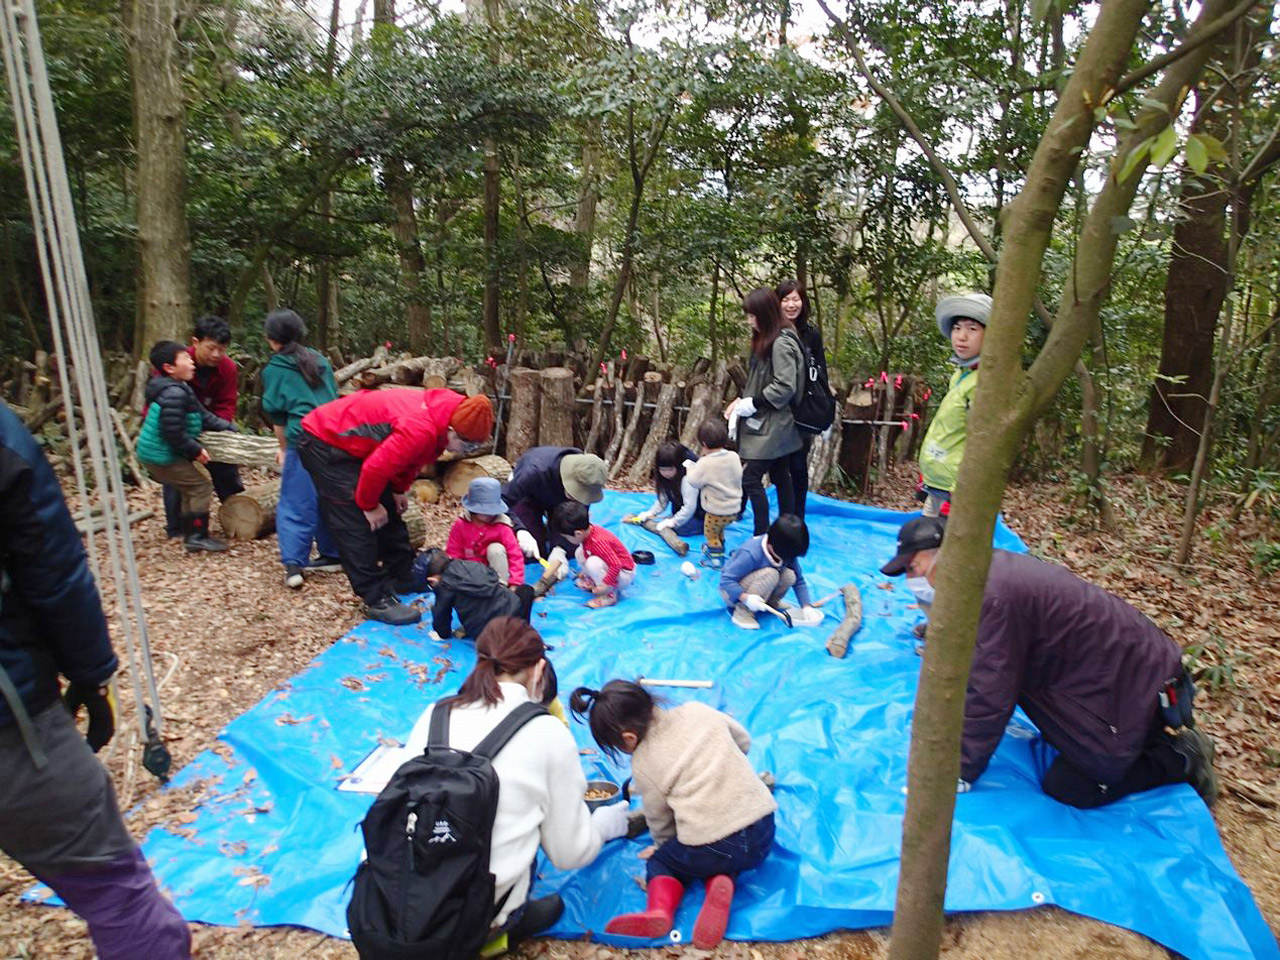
x=225, y=631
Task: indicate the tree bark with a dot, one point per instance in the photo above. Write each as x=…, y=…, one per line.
x=251, y=514
x=659, y=432
x=597, y=411
x=164, y=244
x=492, y=206
x=628, y=435
x=522, y=421
x=584, y=227
x=555, y=407
x=619, y=405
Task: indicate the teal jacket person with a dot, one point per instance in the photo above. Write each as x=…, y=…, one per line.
x=286, y=395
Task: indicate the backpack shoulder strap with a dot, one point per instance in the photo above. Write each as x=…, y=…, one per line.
x=438, y=732
x=498, y=737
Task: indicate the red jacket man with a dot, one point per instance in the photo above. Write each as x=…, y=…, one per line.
x=364, y=451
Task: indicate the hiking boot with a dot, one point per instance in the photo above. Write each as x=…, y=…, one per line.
x=1197, y=750
x=197, y=535
x=292, y=576
x=744, y=618
x=712, y=558
x=390, y=610
x=325, y=564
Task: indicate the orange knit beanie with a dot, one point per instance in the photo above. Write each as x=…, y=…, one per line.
x=473, y=419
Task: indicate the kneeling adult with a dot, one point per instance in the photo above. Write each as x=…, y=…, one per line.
x=1090, y=671
x=542, y=479
x=363, y=452
x=541, y=787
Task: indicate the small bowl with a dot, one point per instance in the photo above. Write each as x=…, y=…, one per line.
x=615, y=793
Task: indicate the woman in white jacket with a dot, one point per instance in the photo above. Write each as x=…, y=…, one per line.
x=541, y=786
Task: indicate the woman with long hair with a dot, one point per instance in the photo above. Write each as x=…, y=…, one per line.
x=794, y=305
x=761, y=418
x=541, y=787
x=295, y=381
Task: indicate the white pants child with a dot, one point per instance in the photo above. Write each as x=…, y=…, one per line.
x=595, y=570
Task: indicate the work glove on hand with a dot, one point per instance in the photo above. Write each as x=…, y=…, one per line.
x=528, y=545
x=100, y=705
x=555, y=555
x=610, y=822
x=754, y=602
x=667, y=524
x=745, y=407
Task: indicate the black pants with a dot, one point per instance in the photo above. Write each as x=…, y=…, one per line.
x=372, y=560
x=798, y=462
x=226, y=483
x=1158, y=765
x=753, y=472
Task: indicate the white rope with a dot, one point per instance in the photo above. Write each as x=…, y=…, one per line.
x=67, y=295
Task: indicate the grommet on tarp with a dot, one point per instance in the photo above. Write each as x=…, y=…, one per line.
x=1037, y=897
x=675, y=936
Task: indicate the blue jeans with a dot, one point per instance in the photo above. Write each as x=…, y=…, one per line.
x=298, y=520
x=744, y=850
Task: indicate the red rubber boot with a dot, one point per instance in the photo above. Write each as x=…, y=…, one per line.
x=665, y=894
x=713, y=918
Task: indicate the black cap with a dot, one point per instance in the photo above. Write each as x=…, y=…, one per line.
x=920, y=533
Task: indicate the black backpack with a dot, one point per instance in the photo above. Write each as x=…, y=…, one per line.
x=425, y=891
x=814, y=408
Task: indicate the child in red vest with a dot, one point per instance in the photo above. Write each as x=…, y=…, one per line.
x=606, y=565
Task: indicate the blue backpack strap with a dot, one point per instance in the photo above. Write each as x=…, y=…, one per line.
x=499, y=735
x=438, y=732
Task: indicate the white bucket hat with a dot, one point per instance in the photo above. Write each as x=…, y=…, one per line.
x=970, y=306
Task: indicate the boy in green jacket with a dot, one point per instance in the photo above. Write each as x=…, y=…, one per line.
x=168, y=446
x=963, y=321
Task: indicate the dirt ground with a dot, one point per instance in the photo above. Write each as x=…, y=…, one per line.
x=224, y=631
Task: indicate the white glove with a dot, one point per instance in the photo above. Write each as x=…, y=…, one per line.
x=433, y=635
x=963, y=786
x=667, y=524
x=754, y=602
x=610, y=821
x=528, y=544
x=745, y=407
x=558, y=554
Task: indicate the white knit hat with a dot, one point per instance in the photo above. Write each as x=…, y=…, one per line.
x=969, y=306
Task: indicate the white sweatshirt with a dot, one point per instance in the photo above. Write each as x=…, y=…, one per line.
x=540, y=792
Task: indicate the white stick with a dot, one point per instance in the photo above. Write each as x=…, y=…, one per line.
x=697, y=684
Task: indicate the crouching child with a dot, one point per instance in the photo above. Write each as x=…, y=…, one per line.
x=484, y=533
x=473, y=591
x=762, y=570
x=606, y=565
x=168, y=444
x=710, y=816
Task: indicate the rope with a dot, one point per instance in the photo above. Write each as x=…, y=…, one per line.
x=76, y=345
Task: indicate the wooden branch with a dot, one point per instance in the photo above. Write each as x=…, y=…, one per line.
x=669, y=537
x=619, y=406
x=99, y=523
x=597, y=411
x=838, y=642
x=144, y=482
x=245, y=449
x=629, y=436
x=658, y=433
x=547, y=580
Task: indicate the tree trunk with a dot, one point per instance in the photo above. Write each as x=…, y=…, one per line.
x=619, y=404
x=417, y=309
x=555, y=407
x=522, y=421
x=659, y=432
x=584, y=228
x=597, y=411
x=164, y=245
x=492, y=206
x=629, y=434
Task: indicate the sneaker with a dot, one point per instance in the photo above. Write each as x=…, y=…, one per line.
x=390, y=610
x=325, y=564
x=1197, y=749
x=292, y=576
x=538, y=915
x=744, y=618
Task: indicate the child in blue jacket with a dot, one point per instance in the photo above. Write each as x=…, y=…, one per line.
x=762, y=570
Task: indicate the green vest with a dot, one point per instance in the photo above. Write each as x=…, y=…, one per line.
x=943, y=446
x=152, y=447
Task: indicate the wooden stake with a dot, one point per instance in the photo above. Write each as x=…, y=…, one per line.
x=629, y=436
x=619, y=397
x=658, y=432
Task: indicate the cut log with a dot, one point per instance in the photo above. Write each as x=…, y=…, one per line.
x=434, y=382
x=378, y=358
x=659, y=430
x=822, y=455
x=522, y=422
x=838, y=642
x=548, y=579
x=597, y=415
x=628, y=437
x=555, y=407
x=251, y=514
x=466, y=382
x=426, y=491
x=416, y=369
x=669, y=537
x=245, y=449
x=619, y=396
x=415, y=522
x=459, y=475
x=856, y=445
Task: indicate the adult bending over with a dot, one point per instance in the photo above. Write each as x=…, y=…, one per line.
x=1104, y=684
x=541, y=787
x=542, y=479
x=363, y=452
x=766, y=430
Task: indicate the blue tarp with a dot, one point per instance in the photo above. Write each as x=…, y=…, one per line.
x=277, y=843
